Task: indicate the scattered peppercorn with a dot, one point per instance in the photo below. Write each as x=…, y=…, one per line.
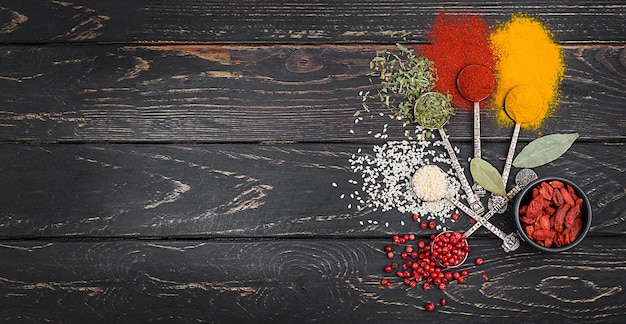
x=429, y=307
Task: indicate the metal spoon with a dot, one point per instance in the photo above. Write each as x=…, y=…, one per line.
x=532, y=97
x=443, y=193
x=437, y=121
x=510, y=242
x=471, y=196
x=522, y=179
x=468, y=75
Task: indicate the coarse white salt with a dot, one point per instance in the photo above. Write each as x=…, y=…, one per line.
x=361, y=222
x=430, y=183
x=387, y=174
x=334, y=184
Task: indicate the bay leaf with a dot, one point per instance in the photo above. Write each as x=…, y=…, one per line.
x=544, y=150
x=487, y=176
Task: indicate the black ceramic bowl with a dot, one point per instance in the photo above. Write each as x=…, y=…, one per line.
x=526, y=196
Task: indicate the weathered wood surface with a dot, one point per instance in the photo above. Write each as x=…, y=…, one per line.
x=34, y=21
x=239, y=190
x=251, y=94
x=290, y=281
x=172, y=161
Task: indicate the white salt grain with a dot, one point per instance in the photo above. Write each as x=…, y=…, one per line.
x=387, y=173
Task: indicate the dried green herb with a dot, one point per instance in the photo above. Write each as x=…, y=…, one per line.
x=432, y=110
x=405, y=78
x=544, y=150
x=487, y=176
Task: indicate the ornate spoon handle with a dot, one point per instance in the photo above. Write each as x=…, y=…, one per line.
x=498, y=232
x=509, y=156
x=480, y=191
x=522, y=179
x=472, y=199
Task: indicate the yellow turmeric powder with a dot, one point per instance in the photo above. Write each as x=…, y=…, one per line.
x=526, y=55
x=524, y=105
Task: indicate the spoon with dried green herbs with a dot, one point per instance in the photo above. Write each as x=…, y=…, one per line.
x=411, y=79
x=433, y=110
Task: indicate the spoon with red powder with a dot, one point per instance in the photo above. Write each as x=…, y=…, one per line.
x=475, y=83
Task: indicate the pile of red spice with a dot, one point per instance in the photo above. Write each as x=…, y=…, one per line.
x=458, y=40
x=427, y=263
x=420, y=266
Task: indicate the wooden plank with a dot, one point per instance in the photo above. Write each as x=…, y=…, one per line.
x=31, y=21
x=241, y=190
x=297, y=280
x=251, y=94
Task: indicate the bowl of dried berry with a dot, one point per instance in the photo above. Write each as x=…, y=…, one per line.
x=552, y=214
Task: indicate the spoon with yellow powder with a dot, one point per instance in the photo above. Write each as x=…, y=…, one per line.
x=524, y=105
x=475, y=83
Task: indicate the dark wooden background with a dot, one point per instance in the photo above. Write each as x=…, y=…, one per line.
x=172, y=161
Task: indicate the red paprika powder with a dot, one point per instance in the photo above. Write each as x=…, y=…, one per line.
x=475, y=82
x=457, y=41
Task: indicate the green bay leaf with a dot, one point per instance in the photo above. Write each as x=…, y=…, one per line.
x=487, y=176
x=544, y=150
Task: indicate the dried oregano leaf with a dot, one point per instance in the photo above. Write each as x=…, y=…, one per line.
x=487, y=176
x=543, y=150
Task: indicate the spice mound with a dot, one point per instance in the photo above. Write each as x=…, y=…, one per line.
x=457, y=40
x=475, y=82
x=554, y=216
x=433, y=110
x=430, y=183
x=524, y=105
x=526, y=54
x=450, y=249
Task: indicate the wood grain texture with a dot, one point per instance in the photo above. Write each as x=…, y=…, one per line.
x=251, y=94
x=297, y=280
x=33, y=21
x=174, y=161
x=207, y=191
